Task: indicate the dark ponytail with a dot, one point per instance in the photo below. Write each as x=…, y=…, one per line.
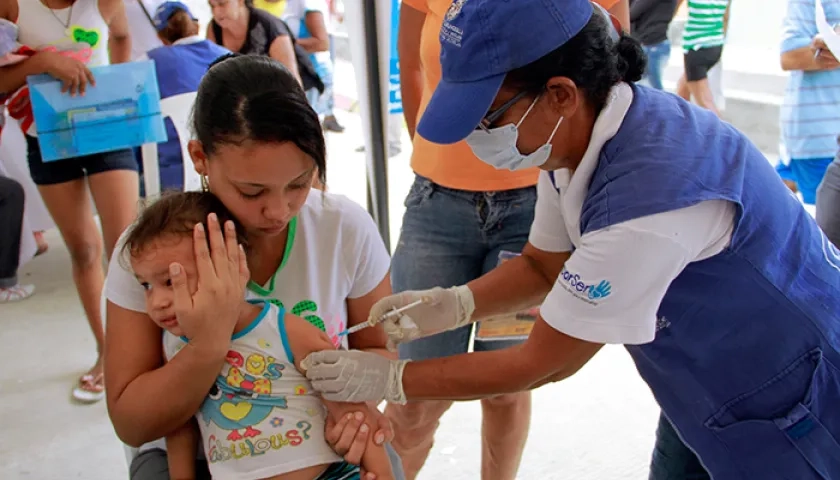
x=591, y=59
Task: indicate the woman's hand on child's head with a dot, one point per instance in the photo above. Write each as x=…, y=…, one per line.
x=208, y=316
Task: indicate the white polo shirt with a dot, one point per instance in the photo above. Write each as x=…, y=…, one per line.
x=627, y=266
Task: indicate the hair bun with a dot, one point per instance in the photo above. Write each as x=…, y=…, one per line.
x=631, y=59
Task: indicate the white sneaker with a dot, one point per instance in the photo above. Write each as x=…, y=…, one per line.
x=17, y=293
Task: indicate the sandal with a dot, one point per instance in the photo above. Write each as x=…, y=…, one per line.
x=90, y=389
x=17, y=293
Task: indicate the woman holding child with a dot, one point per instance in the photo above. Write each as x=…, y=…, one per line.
x=316, y=255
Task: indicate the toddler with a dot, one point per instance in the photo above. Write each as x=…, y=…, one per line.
x=261, y=419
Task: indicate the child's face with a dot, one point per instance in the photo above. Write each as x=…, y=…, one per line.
x=151, y=267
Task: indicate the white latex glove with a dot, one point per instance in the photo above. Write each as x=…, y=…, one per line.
x=354, y=376
x=442, y=310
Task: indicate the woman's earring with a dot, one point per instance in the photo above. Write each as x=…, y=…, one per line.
x=205, y=185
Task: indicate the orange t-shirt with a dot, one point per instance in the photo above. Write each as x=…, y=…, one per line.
x=455, y=166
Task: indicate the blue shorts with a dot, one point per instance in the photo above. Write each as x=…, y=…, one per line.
x=61, y=171
x=450, y=237
x=807, y=174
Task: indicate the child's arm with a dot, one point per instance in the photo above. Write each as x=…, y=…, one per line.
x=305, y=338
x=181, y=448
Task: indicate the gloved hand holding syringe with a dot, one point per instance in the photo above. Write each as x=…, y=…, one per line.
x=432, y=311
x=373, y=321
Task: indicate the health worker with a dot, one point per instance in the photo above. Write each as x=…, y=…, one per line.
x=657, y=226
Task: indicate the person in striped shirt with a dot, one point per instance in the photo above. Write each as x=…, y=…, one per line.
x=809, y=117
x=703, y=39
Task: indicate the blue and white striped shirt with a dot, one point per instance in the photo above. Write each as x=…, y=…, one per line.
x=810, y=114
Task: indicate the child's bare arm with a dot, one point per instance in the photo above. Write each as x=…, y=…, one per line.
x=181, y=447
x=304, y=338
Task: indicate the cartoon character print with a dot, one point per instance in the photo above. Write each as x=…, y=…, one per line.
x=232, y=412
x=231, y=403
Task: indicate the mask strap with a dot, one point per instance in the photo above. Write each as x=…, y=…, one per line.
x=551, y=137
x=528, y=111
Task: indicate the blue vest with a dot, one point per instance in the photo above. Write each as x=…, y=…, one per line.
x=746, y=359
x=179, y=70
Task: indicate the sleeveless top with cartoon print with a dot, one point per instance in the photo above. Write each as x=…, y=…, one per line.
x=261, y=417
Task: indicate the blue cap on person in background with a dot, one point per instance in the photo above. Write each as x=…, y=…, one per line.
x=483, y=40
x=166, y=10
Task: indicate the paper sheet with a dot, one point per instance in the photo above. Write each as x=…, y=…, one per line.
x=829, y=35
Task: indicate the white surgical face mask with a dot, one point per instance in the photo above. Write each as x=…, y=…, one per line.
x=497, y=147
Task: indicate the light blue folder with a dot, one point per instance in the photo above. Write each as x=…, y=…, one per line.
x=121, y=111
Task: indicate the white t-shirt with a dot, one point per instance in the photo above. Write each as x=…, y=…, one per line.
x=335, y=252
x=613, y=283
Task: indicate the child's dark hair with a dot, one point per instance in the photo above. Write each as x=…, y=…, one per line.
x=176, y=214
x=250, y=97
x=591, y=59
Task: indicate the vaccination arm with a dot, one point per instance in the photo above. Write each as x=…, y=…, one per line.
x=304, y=339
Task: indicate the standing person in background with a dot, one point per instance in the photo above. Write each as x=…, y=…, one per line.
x=810, y=121
x=703, y=39
x=180, y=64
x=336, y=12
x=11, y=224
x=460, y=214
x=307, y=20
x=66, y=186
x=242, y=28
x=650, y=20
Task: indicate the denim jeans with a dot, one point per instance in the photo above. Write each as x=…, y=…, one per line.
x=450, y=237
x=672, y=460
x=657, y=56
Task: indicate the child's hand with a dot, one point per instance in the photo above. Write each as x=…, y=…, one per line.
x=74, y=75
x=208, y=311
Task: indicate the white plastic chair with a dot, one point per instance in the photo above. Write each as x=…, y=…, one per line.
x=177, y=109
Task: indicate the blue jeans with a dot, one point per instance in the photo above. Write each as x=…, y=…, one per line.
x=657, y=56
x=450, y=237
x=672, y=460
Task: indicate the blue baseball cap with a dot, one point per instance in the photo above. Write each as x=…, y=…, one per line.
x=166, y=10
x=483, y=40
